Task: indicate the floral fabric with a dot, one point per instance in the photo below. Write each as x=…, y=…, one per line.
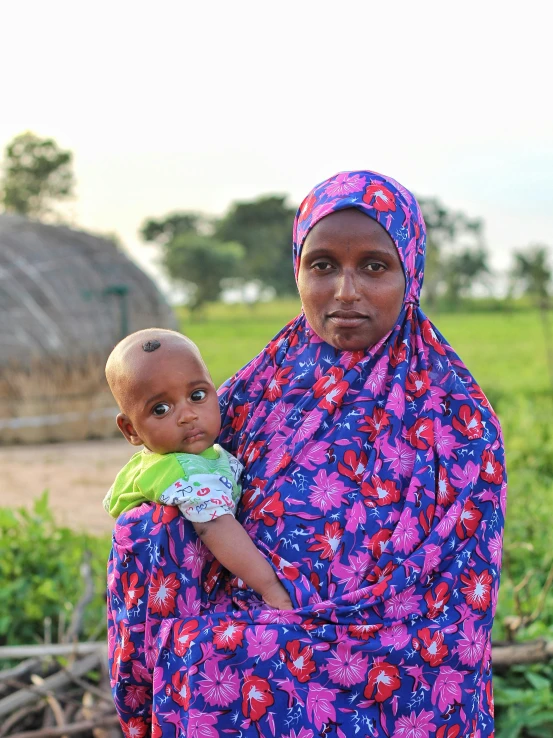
x=375, y=485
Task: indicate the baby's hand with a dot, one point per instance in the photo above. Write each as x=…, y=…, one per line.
x=276, y=596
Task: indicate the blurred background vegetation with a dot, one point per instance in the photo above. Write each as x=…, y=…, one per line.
x=499, y=325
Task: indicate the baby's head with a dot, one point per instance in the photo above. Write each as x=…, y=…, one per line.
x=167, y=399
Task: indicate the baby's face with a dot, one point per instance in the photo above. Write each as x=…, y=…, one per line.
x=173, y=404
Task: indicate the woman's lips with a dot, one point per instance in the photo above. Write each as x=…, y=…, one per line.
x=343, y=319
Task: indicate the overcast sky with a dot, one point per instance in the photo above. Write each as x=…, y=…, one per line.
x=181, y=105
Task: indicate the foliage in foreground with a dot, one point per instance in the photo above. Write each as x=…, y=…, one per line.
x=40, y=571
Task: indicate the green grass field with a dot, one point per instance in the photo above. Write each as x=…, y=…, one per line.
x=505, y=351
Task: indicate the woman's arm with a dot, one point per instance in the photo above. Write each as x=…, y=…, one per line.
x=232, y=546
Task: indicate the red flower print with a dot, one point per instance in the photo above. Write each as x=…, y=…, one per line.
x=156, y=727
x=469, y=423
x=489, y=696
x=240, y=416
x=251, y=453
x=333, y=397
x=329, y=380
x=380, y=198
x=380, y=578
x=383, y=679
x=449, y=731
x=163, y=591
x=356, y=464
x=131, y=592
x=256, y=697
x=300, y=663
x=437, y=600
x=421, y=434
x=184, y=632
x=379, y=492
x=329, y=542
x=468, y=522
x=477, y=589
x=124, y=649
x=274, y=388
x=269, y=510
x=287, y=570
x=229, y=634
x=165, y=513
x=379, y=420
x=445, y=493
x=429, y=337
x=181, y=689
x=307, y=206
x=135, y=728
x=433, y=650
x=135, y=696
x=491, y=471
x=398, y=354
x=252, y=493
x=377, y=544
x=418, y=383
x=364, y=632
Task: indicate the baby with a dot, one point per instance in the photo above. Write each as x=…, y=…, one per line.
x=168, y=403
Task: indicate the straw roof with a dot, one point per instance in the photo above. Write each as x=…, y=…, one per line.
x=66, y=297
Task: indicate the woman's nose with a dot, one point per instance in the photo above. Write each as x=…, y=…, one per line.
x=346, y=287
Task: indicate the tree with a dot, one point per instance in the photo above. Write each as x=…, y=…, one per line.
x=175, y=224
x=531, y=274
x=456, y=257
x=264, y=227
x=37, y=174
x=192, y=255
x=203, y=261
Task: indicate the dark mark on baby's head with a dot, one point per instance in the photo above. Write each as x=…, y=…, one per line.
x=150, y=346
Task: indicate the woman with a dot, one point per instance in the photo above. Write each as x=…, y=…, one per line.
x=374, y=484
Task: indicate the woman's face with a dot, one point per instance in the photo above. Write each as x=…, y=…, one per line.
x=350, y=280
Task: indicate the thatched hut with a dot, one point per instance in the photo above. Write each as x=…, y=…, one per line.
x=66, y=297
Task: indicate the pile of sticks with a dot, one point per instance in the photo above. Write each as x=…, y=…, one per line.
x=56, y=690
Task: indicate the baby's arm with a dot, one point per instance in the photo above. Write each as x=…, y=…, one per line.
x=232, y=546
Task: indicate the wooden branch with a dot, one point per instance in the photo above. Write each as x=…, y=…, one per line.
x=51, y=684
x=51, y=649
x=20, y=670
x=100, y=722
x=88, y=594
x=530, y=652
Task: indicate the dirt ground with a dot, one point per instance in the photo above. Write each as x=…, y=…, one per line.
x=76, y=475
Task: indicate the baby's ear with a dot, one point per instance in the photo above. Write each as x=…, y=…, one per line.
x=127, y=429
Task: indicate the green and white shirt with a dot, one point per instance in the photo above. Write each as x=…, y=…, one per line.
x=204, y=486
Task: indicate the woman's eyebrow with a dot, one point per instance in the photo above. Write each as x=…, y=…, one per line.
x=377, y=253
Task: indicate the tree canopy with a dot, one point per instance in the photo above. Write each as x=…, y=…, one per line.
x=37, y=174
x=264, y=227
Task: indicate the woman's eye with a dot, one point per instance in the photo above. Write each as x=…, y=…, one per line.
x=198, y=395
x=375, y=267
x=321, y=266
x=162, y=408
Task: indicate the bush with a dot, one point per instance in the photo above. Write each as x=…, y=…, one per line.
x=40, y=570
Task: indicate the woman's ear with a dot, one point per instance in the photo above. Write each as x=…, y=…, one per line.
x=127, y=429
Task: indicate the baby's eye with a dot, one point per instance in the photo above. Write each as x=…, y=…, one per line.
x=161, y=409
x=198, y=395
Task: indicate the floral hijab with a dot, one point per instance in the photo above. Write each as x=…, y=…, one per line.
x=375, y=479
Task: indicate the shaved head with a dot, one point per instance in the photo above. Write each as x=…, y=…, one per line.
x=139, y=351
